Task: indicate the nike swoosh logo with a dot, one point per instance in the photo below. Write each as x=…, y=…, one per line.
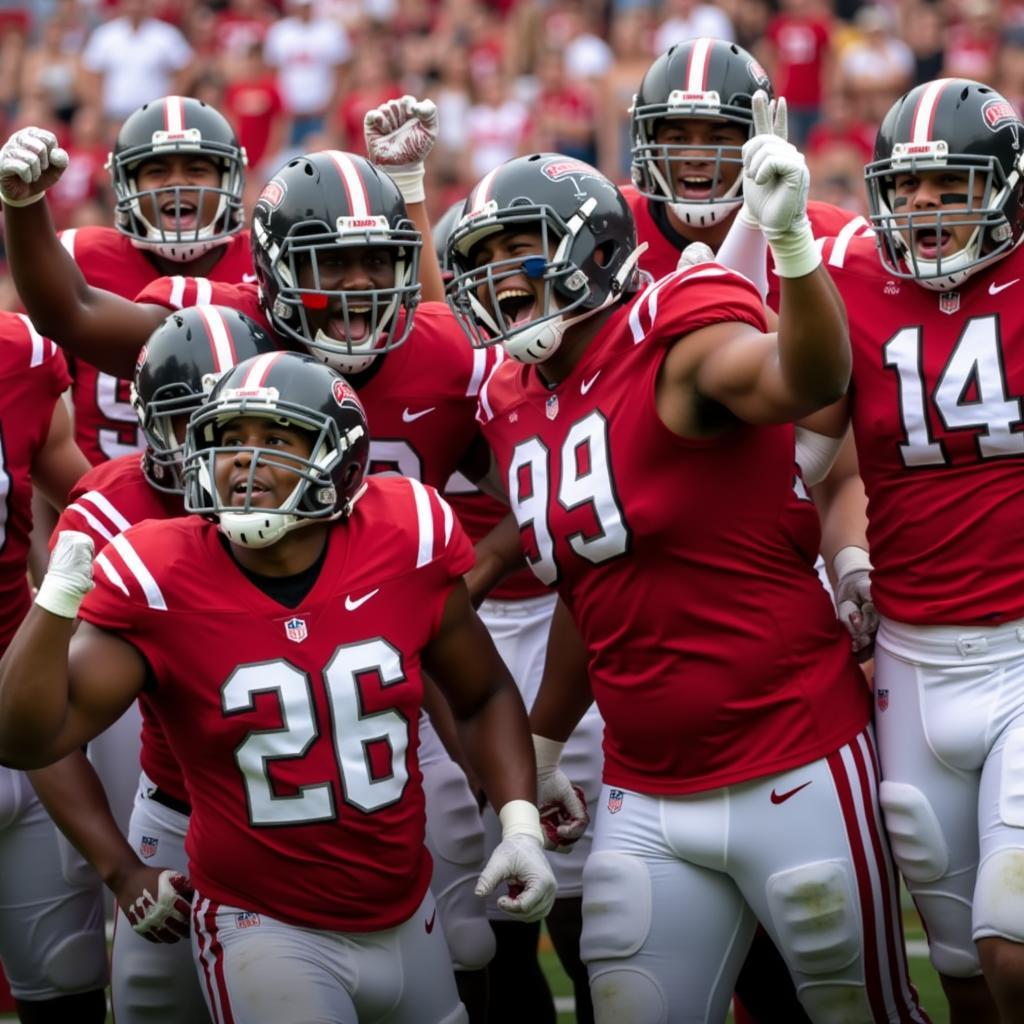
x=409, y=417
x=781, y=798
x=429, y=923
x=995, y=289
x=351, y=604
x=248, y=279
x=586, y=385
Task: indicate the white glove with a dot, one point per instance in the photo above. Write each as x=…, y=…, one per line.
x=399, y=135
x=853, y=595
x=519, y=859
x=30, y=162
x=562, y=806
x=69, y=576
x=166, y=918
x=775, y=187
x=693, y=254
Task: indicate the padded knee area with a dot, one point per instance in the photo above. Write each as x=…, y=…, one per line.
x=999, y=896
x=454, y=828
x=471, y=943
x=627, y=994
x=814, y=910
x=918, y=844
x=616, y=907
x=837, y=1002
x=953, y=962
x=1011, y=784
x=78, y=963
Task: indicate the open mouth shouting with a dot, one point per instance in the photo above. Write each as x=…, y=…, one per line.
x=932, y=242
x=179, y=214
x=695, y=187
x=517, y=305
x=261, y=493
x=353, y=330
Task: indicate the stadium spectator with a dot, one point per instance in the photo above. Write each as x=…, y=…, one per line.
x=133, y=58
x=690, y=19
x=253, y=104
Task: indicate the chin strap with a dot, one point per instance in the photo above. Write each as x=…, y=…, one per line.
x=540, y=343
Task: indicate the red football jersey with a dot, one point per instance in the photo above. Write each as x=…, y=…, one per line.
x=33, y=375
x=420, y=405
x=296, y=727
x=109, y=499
x=715, y=654
x=937, y=419
x=105, y=422
x=662, y=253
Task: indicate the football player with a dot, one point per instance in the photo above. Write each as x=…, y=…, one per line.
x=337, y=258
x=642, y=437
x=936, y=410
x=517, y=612
x=176, y=370
x=293, y=706
x=51, y=930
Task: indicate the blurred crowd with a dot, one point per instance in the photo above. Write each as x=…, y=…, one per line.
x=509, y=76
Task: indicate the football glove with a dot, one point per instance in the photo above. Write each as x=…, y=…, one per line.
x=854, y=606
x=30, y=162
x=399, y=135
x=164, y=918
x=69, y=576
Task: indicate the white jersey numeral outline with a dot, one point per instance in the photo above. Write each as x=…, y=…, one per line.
x=352, y=727
x=586, y=444
x=976, y=361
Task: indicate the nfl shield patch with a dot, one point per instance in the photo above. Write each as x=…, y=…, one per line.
x=552, y=407
x=949, y=302
x=883, y=699
x=247, y=919
x=295, y=630
x=148, y=846
x=615, y=801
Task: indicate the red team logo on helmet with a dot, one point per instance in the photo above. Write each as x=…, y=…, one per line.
x=343, y=392
x=997, y=113
x=558, y=169
x=272, y=194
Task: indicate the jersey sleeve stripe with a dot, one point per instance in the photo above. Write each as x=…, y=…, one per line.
x=111, y=573
x=153, y=595
x=103, y=503
x=480, y=356
x=849, y=231
x=91, y=520
x=177, y=298
x=448, y=518
x=204, y=291
x=484, y=412
x=36, y=339
x=220, y=338
x=424, y=523
x=67, y=239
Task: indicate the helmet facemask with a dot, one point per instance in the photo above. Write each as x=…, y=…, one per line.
x=368, y=321
x=653, y=163
x=314, y=498
x=138, y=211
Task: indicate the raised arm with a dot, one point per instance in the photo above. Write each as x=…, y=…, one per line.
x=57, y=691
x=98, y=326
x=805, y=365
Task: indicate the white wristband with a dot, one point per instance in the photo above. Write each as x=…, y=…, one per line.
x=55, y=596
x=546, y=752
x=520, y=818
x=28, y=201
x=796, y=253
x=409, y=181
x=850, y=559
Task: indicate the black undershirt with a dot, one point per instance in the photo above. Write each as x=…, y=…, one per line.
x=285, y=590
